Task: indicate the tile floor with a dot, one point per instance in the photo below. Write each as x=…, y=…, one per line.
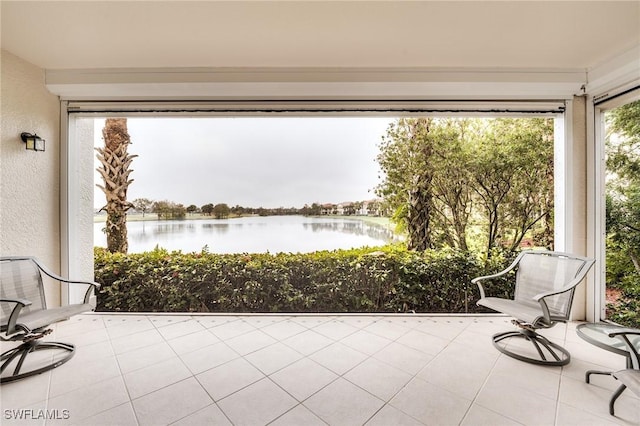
x=310, y=370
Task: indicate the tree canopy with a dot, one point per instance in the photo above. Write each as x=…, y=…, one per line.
x=623, y=213
x=469, y=182
x=623, y=183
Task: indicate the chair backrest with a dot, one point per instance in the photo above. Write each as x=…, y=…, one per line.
x=20, y=278
x=546, y=271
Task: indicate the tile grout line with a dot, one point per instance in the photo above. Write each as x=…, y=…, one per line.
x=338, y=376
x=413, y=377
x=101, y=381
x=124, y=383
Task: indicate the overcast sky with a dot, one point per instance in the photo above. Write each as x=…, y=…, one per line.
x=252, y=162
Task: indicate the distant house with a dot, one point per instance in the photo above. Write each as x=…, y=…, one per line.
x=350, y=208
x=372, y=207
x=347, y=208
x=327, y=209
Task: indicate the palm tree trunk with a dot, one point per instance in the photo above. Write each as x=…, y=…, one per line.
x=115, y=172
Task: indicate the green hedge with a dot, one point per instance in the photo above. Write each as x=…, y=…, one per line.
x=626, y=311
x=387, y=279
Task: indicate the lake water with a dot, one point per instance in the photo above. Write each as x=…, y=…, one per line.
x=275, y=234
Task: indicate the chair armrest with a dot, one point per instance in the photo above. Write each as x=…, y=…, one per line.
x=496, y=275
x=577, y=280
x=539, y=297
x=15, y=312
x=87, y=294
x=623, y=334
x=618, y=331
x=570, y=286
x=62, y=279
x=23, y=302
x=92, y=285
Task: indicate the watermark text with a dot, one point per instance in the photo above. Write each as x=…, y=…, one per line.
x=36, y=414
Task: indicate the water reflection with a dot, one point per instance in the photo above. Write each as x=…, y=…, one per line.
x=252, y=234
x=355, y=227
x=216, y=227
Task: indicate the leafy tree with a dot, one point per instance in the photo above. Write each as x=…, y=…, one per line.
x=513, y=177
x=623, y=185
x=452, y=191
x=314, y=210
x=623, y=141
x=221, y=211
x=142, y=205
x=623, y=213
x=405, y=158
x=192, y=209
x=424, y=185
x=207, y=209
x=169, y=210
x=238, y=210
x=357, y=207
x=439, y=173
x=348, y=209
x=115, y=162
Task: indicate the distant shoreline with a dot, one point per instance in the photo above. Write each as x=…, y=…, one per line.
x=152, y=217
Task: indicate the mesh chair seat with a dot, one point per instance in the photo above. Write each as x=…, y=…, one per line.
x=40, y=319
x=629, y=378
x=527, y=313
x=545, y=282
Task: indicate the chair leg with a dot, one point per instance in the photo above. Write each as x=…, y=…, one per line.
x=587, y=375
x=615, y=396
x=543, y=346
x=21, y=352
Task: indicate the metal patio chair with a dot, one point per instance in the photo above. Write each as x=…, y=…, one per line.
x=545, y=282
x=24, y=317
x=630, y=377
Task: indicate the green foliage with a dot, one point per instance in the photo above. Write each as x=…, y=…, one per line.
x=207, y=209
x=221, y=211
x=387, y=279
x=142, y=205
x=623, y=213
x=626, y=311
x=623, y=140
x=458, y=175
x=169, y=210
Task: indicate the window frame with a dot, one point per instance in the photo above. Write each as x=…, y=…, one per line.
x=560, y=110
x=597, y=107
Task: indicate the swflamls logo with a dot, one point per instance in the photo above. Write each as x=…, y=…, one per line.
x=31, y=414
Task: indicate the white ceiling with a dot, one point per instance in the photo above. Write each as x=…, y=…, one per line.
x=555, y=35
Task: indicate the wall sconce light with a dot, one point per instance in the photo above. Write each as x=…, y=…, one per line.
x=33, y=142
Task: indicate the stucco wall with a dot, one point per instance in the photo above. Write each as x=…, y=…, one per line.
x=29, y=180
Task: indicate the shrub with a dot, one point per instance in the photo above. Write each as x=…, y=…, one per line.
x=626, y=310
x=387, y=279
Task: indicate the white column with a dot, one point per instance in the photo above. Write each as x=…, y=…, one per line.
x=576, y=194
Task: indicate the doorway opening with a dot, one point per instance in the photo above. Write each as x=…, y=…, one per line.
x=622, y=149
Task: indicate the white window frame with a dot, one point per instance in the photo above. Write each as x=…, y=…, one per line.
x=597, y=107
